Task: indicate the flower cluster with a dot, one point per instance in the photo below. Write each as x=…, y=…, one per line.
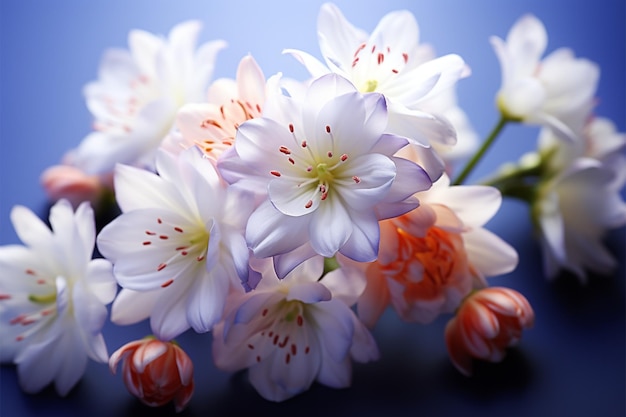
x=286, y=216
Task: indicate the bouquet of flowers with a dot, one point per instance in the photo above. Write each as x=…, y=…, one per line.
x=285, y=216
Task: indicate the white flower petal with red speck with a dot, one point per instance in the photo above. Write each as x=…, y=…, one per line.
x=53, y=299
x=180, y=241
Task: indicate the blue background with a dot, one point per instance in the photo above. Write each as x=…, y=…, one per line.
x=571, y=364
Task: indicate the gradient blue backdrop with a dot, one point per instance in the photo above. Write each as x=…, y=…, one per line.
x=571, y=364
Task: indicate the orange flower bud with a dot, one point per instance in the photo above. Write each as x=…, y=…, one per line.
x=488, y=321
x=156, y=372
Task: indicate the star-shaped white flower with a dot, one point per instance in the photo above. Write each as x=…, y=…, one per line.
x=390, y=61
x=178, y=248
x=328, y=172
x=556, y=91
x=294, y=331
x=137, y=94
x=53, y=298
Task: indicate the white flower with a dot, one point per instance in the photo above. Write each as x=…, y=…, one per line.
x=573, y=211
x=212, y=126
x=390, y=61
x=600, y=141
x=556, y=91
x=135, y=99
x=178, y=247
x=295, y=331
x=53, y=298
x=578, y=198
x=432, y=257
x=329, y=174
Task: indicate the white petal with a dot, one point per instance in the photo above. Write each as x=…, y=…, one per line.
x=345, y=284
x=364, y=348
x=552, y=227
x=143, y=47
x=475, y=205
x=270, y=233
x=398, y=28
x=526, y=41
x=335, y=374
x=169, y=319
x=138, y=189
x=410, y=178
x=362, y=246
x=99, y=277
x=334, y=319
x=312, y=64
x=338, y=38
x=374, y=175
x=250, y=81
x=321, y=93
x=202, y=67
x=260, y=378
x=130, y=306
x=351, y=132
x=90, y=316
x=206, y=300
x=285, y=263
x=309, y=293
x=419, y=126
x=291, y=198
x=522, y=98
x=29, y=228
x=330, y=227
x=488, y=253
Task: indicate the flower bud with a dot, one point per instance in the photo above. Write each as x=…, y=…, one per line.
x=66, y=181
x=156, y=372
x=488, y=321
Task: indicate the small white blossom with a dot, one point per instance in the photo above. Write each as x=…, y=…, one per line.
x=137, y=94
x=53, y=298
x=178, y=248
x=292, y=332
x=556, y=91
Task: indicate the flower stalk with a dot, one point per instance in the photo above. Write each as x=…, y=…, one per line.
x=481, y=152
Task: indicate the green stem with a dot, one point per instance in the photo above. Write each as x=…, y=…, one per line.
x=478, y=155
